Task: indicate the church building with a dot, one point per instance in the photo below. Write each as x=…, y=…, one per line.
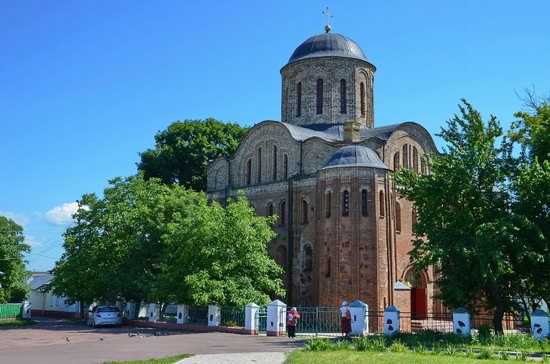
x=325, y=170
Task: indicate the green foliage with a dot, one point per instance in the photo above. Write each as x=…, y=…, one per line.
x=342, y=345
x=318, y=344
x=147, y=240
x=182, y=151
x=485, y=354
x=361, y=343
x=484, y=334
x=16, y=323
x=532, y=131
x=14, y=286
x=398, y=347
x=166, y=360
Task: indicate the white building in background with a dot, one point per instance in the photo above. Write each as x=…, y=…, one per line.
x=44, y=302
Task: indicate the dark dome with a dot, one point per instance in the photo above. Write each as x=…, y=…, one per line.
x=326, y=45
x=355, y=156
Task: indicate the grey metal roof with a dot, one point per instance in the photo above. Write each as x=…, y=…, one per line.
x=327, y=45
x=335, y=132
x=355, y=156
x=38, y=281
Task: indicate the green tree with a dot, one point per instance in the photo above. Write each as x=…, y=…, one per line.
x=182, y=151
x=14, y=287
x=464, y=228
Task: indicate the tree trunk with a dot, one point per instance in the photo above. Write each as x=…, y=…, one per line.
x=497, y=319
x=526, y=308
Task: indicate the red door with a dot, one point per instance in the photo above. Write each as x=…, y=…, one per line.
x=419, y=304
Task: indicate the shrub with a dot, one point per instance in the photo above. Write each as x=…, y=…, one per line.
x=398, y=347
x=521, y=356
x=484, y=334
x=342, y=345
x=419, y=348
x=450, y=350
x=485, y=354
x=377, y=344
x=231, y=323
x=361, y=344
x=503, y=355
x=318, y=344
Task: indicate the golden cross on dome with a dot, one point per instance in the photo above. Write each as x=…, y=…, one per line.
x=327, y=15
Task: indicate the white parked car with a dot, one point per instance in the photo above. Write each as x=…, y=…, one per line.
x=104, y=315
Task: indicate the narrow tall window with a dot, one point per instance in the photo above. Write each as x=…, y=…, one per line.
x=423, y=166
x=382, y=204
x=362, y=98
x=285, y=166
x=415, y=159
x=397, y=217
x=304, y=212
x=364, y=206
x=406, y=156
x=269, y=209
x=319, y=96
x=249, y=171
x=414, y=219
x=274, y=162
x=299, y=99
x=327, y=272
x=308, y=258
x=260, y=165
x=343, y=98
x=282, y=213
x=345, y=203
x=396, y=161
x=328, y=204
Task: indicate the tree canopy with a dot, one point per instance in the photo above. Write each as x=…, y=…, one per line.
x=182, y=151
x=14, y=287
x=147, y=240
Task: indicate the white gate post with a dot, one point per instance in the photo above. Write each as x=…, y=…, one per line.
x=359, y=314
x=539, y=324
x=130, y=311
x=154, y=312
x=391, y=320
x=182, y=313
x=213, y=315
x=250, y=312
x=461, y=322
x=276, y=320
x=27, y=306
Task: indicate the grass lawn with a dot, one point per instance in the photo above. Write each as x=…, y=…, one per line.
x=165, y=360
x=352, y=356
x=15, y=322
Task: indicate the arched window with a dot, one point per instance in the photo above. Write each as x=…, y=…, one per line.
x=396, y=161
x=299, y=99
x=282, y=213
x=282, y=256
x=364, y=207
x=249, y=171
x=260, y=165
x=415, y=159
x=345, y=203
x=269, y=209
x=397, y=217
x=274, y=162
x=406, y=156
x=328, y=204
x=362, y=98
x=308, y=258
x=381, y=201
x=285, y=166
x=414, y=219
x=319, y=96
x=423, y=169
x=343, y=98
x=304, y=212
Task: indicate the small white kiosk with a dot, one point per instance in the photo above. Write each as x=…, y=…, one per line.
x=182, y=311
x=27, y=307
x=130, y=311
x=461, y=322
x=539, y=324
x=154, y=312
x=391, y=320
x=214, y=315
x=276, y=320
x=359, y=318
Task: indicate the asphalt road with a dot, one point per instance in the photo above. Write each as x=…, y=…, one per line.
x=67, y=341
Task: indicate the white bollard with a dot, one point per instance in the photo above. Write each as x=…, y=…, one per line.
x=213, y=315
x=154, y=312
x=250, y=323
x=27, y=307
x=359, y=318
x=130, y=311
x=182, y=313
x=539, y=324
x=391, y=320
x=461, y=322
x=276, y=320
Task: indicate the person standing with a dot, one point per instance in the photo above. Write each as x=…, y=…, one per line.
x=346, y=319
x=291, y=320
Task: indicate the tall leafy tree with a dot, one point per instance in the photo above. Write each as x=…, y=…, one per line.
x=14, y=286
x=464, y=228
x=182, y=151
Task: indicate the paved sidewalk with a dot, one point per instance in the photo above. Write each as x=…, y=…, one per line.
x=236, y=358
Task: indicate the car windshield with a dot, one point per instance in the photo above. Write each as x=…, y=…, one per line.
x=108, y=309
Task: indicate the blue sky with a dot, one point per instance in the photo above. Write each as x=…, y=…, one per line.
x=85, y=85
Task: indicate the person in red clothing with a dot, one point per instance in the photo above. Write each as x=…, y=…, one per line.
x=346, y=319
x=291, y=319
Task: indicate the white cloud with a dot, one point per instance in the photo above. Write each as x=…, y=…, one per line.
x=20, y=219
x=62, y=215
x=34, y=244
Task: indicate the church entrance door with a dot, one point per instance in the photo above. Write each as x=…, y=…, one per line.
x=419, y=303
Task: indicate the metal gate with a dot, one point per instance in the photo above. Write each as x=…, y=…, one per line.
x=313, y=320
